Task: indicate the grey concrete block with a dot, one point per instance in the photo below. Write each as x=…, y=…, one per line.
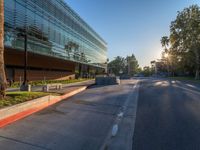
x=106, y=80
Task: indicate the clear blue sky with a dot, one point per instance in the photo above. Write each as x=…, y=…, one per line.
x=131, y=26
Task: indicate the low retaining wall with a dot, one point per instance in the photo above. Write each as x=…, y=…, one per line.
x=19, y=111
x=107, y=80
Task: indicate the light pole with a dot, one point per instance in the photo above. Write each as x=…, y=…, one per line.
x=25, y=58
x=24, y=86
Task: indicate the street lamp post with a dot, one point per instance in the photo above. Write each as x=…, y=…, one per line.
x=24, y=86
x=25, y=58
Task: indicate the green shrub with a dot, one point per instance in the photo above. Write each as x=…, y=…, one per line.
x=13, y=98
x=38, y=83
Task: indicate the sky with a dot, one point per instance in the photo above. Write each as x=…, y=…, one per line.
x=131, y=26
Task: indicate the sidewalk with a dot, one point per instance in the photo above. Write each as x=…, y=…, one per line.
x=13, y=113
x=65, y=87
x=71, y=87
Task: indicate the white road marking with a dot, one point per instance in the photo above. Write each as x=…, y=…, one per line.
x=114, y=130
x=121, y=114
x=173, y=82
x=115, y=127
x=190, y=85
x=189, y=90
x=135, y=111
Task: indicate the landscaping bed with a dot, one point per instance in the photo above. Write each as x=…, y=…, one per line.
x=13, y=98
x=38, y=83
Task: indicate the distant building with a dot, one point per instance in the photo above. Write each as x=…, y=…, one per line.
x=159, y=67
x=60, y=43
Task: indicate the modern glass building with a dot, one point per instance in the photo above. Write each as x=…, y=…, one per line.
x=60, y=44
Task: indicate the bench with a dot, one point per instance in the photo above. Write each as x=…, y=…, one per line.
x=57, y=86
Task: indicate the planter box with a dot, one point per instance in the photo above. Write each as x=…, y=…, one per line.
x=19, y=111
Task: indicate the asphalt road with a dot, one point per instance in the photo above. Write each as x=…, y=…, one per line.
x=168, y=116
x=154, y=114
x=102, y=117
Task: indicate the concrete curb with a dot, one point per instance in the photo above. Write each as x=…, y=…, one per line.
x=11, y=114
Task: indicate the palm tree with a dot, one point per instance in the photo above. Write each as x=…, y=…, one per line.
x=2, y=69
x=165, y=42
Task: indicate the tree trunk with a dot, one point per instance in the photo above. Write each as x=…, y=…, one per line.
x=2, y=67
x=197, y=74
x=197, y=64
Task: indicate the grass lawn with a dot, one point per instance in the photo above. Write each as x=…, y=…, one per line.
x=185, y=79
x=36, y=83
x=13, y=98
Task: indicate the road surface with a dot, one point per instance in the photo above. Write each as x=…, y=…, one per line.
x=101, y=117
x=168, y=116
x=140, y=114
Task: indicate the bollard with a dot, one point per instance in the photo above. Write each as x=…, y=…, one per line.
x=29, y=88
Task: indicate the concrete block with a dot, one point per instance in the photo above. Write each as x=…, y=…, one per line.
x=107, y=80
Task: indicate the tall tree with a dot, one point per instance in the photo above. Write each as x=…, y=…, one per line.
x=132, y=65
x=165, y=42
x=2, y=69
x=126, y=66
x=117, y=65
x=185, y=35
x=165, y=55
x=147, y=71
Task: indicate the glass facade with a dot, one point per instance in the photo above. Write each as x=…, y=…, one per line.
x=53, y=29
